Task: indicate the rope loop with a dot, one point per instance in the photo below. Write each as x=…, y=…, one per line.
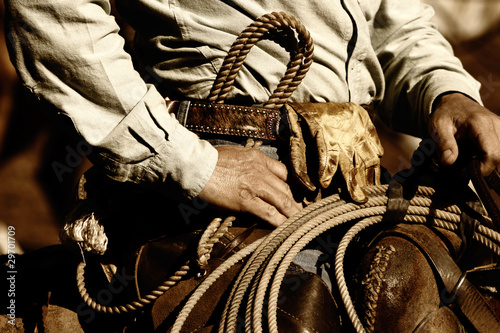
x=132, y=306
x=210, y=237
x=276, y=25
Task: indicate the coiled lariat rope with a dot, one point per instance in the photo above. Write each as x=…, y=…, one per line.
x=261, y=277
x=264, y=272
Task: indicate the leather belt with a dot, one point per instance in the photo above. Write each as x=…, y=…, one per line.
x=224, y=119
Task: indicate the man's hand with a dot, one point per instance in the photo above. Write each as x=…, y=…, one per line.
x=246, y=180
x=457, y=118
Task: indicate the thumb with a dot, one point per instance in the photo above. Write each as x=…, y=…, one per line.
x=444, y=136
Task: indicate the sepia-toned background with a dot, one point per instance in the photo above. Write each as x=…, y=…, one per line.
x=35, y=194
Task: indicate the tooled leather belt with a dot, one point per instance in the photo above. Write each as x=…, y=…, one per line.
x=224, y=119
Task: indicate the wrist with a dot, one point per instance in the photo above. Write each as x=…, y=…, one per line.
x=450, y=97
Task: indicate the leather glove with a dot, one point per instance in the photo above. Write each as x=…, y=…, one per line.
x=325, y=136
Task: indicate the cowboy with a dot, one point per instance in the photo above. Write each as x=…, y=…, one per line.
x=387, y=52
x=384, y=53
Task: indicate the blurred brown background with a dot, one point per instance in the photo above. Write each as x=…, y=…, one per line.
x=34, y=197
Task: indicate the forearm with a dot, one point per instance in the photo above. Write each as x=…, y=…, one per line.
x=418, y=64
x=69, y=53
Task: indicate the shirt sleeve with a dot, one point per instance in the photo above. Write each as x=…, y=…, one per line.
x=70, y=54
x=418, y=64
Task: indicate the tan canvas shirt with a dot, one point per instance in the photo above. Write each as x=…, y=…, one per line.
x=70, y=54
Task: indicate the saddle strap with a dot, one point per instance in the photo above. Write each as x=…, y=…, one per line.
x=459, y=289
x=482, y=186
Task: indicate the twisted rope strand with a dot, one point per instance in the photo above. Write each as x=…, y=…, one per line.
x=211, y=235
x=297, y=68
x=339, y=269
x=273, y=257
x=207, y=283
x=132, y=306
x=373, y=282
x=230, y=314
x=296, y=241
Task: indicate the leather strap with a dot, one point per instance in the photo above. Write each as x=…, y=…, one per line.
x=225, y=119
x=458, y=288
x=397, y=204
x=493, y=181
x=482, y=187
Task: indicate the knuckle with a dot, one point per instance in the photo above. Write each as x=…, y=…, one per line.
x=259, y=168
x=287, y=203
x=271, y=212
x=484, y=120
x=246, y=194
x=495, y=157
x=254, y=154
x=283, y=170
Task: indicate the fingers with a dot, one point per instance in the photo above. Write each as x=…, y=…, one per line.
x=273, y=192
x=246, y=180
x=265, y=192
x=266, y=212
x=276, y=167
x=457, y=118
x=489, y=143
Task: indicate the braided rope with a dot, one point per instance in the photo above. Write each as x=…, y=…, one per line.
x=128, y=307
x=210, y=280
x=259, y=287
x=209, y=238
x=258, y=258
x=339, y=269
x=373, y=282
x=257, y=261
x=297, y=246
x=290, y=248
x=339, y=259
x=301, y=59
x=271, y=258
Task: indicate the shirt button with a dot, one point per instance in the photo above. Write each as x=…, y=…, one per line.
x=361, y=57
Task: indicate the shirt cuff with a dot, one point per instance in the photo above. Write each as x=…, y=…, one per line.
x=451, y=82
x=183, y=165
x=150, y=147
x=444, y=82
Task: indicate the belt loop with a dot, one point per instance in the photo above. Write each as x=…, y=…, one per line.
x=182, y=112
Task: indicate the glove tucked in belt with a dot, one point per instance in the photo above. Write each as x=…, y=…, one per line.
x=336, y=135
x=323, y=137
